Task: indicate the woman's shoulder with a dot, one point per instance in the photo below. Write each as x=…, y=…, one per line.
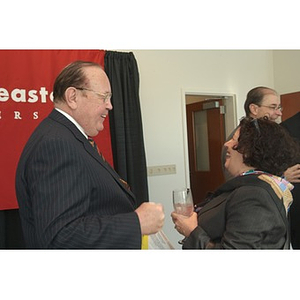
x=243, y=182
x=251, y=186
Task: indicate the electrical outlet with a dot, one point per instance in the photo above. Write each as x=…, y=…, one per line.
x=161, y=170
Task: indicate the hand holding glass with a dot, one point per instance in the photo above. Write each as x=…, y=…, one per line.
x=183, y=203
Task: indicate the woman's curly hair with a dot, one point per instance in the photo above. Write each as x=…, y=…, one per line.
x=267, y=146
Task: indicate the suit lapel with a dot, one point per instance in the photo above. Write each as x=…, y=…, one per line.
x=58, y=117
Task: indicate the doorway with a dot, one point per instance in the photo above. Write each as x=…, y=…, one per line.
x=209, y=119
x=291, y=104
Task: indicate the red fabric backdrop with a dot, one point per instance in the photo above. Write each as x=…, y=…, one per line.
x=26, y=82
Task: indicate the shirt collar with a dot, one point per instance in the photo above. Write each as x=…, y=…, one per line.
x=72, y=120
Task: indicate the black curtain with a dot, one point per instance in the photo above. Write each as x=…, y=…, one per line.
x=126, y=122
x=11, y=236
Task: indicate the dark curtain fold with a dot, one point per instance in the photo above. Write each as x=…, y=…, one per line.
x=126, y=122
x=11, y=236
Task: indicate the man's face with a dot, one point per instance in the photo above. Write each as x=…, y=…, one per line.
x=270, y=107
x=92, y=106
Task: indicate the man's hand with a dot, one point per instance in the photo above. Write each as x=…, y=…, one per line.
x=292, y=174
x=151, y=216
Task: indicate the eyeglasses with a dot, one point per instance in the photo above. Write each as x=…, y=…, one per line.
x=105, y=97
x=280, y=108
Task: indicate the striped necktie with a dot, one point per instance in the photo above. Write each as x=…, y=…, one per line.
x=94, y=145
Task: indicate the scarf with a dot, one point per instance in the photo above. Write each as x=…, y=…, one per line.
x=281, y=186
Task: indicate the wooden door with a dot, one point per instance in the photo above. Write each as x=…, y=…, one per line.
x=206, y=136
x=291, y=104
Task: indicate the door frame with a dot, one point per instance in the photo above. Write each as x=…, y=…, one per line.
x=291, y=104
x=230, y=120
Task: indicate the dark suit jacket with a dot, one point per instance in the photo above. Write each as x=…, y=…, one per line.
x=292, y=124
x=68, y=196
x=244, y=213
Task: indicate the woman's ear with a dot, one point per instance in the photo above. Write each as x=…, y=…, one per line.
x=71, y=97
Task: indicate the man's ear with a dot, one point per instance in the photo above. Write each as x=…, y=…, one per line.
x=253, y=109
x=71, y=97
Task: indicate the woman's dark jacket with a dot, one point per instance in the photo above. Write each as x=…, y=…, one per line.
x=244, y=213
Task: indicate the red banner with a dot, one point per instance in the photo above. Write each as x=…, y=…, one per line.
x=26, y=83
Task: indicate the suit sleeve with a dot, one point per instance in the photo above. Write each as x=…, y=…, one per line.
x=61, y=201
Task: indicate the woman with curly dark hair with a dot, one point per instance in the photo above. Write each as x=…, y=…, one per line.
x=250, y=210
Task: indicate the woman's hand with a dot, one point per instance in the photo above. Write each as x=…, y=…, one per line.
x=184, y=225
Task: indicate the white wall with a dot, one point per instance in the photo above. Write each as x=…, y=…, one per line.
x=287, y=71
x=163, y=76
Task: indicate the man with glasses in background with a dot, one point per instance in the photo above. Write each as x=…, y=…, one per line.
x=260, y=102
x=68, y=195
x=264, y=102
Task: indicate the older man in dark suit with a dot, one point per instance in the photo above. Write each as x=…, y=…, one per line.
x=69, y=197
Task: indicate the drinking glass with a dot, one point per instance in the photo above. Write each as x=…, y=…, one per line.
x=183, y=203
